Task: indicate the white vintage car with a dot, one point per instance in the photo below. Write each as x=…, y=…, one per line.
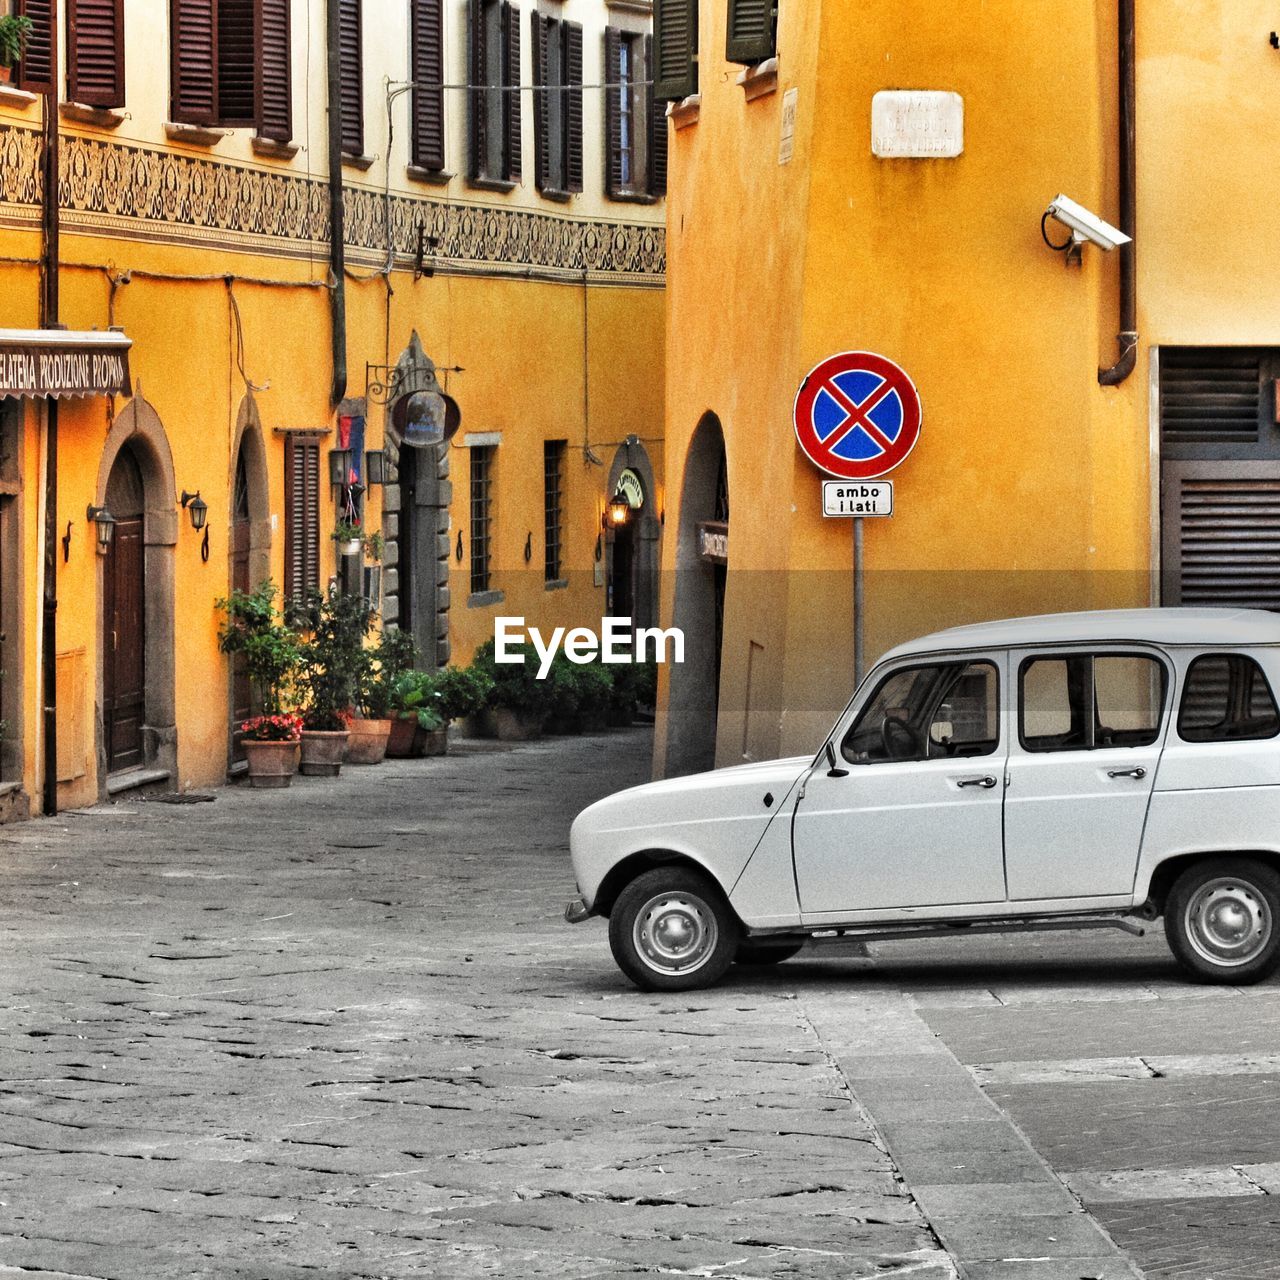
x=1071, y=771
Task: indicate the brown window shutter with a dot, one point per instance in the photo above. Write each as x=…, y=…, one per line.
x=236, y=59
x=311, y=526
x=752, y=31
x=95, y=52
x=512, y=149
x=301, y=517
x=657, y=115
x=38, y=70
x=612, y=111
x=675, y=34
x=350, y=61
x=541, y=112
x=273, y=79
x=193, y=40
x=573, y=105
x=427, y=70
x=479, y=64
x=292, y=571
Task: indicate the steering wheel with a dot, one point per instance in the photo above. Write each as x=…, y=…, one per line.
x=896, y=723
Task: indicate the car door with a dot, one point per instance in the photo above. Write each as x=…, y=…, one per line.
x=910, y=816
x=1082, y=762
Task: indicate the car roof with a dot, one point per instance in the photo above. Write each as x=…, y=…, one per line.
x=1208, y=628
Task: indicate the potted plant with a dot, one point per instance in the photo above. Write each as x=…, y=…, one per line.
x=332, y=660
x=254, y=633
x=418, y=728
x=272, y=744
x=349, y=537
x=518, y=701
x=376, y=675
x=15, y=31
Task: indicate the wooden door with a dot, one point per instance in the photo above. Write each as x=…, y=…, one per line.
x=241, y=687
x=124, y=641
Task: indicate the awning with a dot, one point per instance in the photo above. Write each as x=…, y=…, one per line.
x=64, y=362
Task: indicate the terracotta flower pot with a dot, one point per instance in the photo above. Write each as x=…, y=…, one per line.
x=6, y=74
x=402, y=738
x=322, y=753
x=271, y=764
x=516, y=726
x=432, y=742
x=367, y=741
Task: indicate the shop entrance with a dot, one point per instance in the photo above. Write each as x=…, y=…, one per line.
x=241, y=547
x=124, y=666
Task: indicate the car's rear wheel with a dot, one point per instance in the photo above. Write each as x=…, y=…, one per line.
x=763, y=953
x=672, y=930
x=1222, y=920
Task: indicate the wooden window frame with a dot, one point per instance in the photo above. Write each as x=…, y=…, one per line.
x=494, y=73
x=426, y=70
x=85, y=83
x=751, y=31
x=675, y=34
x=38, y=71
x=301, y=523
x=557, y=104
x=481, y=512
x=553, y=456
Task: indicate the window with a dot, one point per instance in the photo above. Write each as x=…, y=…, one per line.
x=675, y=40
x=635, y=120
x=426, y=39
x=350, y=61
x=1080, y=702
x=481, y=516
x=301, y=518
x=946, y=711
x=752, y=31
x=38, y=70
x=495, y=107
x=1226, y=698
x=553, y=452
x=557, y=103
x=230, y=65
x=95, y=52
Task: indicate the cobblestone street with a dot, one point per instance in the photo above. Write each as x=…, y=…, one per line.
x=342, y=1031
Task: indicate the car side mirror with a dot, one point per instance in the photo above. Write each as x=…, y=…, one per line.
x=832, y=770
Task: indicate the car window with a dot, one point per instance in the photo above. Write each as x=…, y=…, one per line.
x=1078, y=702
x=1226, y=698
x=939, y=711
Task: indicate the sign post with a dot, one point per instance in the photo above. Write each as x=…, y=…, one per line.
x=857, y=416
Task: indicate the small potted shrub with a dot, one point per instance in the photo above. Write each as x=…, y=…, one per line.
x=376, y=675
x=349, y=537
x=418, y=728
x=254, y=634
x=15, y=31
x=518, y=700
x=332, y=662
x=272, y=744
x=595, y=696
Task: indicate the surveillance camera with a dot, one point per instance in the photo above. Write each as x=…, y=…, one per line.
x=1084, y=225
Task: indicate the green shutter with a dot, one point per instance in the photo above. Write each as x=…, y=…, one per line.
x=675, y=35
x=753, y=31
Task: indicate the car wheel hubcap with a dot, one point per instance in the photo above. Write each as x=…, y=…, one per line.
x=675, y=932
x=1228, y=922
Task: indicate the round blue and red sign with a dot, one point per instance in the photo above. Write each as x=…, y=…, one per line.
x=857, y=415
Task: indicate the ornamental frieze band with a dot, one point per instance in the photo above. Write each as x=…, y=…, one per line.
x=109, y=188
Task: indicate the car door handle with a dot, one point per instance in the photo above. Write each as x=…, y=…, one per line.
x=986, y=782
x=1139, y=772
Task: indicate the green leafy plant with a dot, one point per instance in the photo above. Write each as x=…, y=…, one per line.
x=515, y=685
x=417, y=693
x=581, y=694
x=384, y=664
x=348, y=531
x=463, y=691
x=14, y=34
x=374, y=545
x=634, y=685
x=334, y=661
x=254, y=630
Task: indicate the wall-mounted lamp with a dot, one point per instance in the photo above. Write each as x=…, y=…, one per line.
x=196, y=507
x=375, y=466
x=105, y=522
x=339, y=467
x=618, y=512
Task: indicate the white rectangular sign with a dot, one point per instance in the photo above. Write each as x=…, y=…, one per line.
x=917, y=124
x=857, y=497
x=787, y=134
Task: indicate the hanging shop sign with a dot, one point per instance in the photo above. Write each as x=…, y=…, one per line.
x=632, y=488
x=49, y=363
x=857, y=415
x=864, y=498
x=713, y=541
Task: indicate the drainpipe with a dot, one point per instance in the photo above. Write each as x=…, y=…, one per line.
x=49, y=320
x=337, y=254
x=1128, y=336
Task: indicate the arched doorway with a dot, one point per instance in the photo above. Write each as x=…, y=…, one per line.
x=633, y=552
x=702, y=569
x=249, y=548
x=136, y=728
x=124, y=675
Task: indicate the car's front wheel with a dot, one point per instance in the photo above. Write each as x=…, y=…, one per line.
x=1222, y=920
x=672, y=930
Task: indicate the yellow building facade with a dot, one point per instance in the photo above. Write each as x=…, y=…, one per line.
x=1063, y=461
x=498, y=250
